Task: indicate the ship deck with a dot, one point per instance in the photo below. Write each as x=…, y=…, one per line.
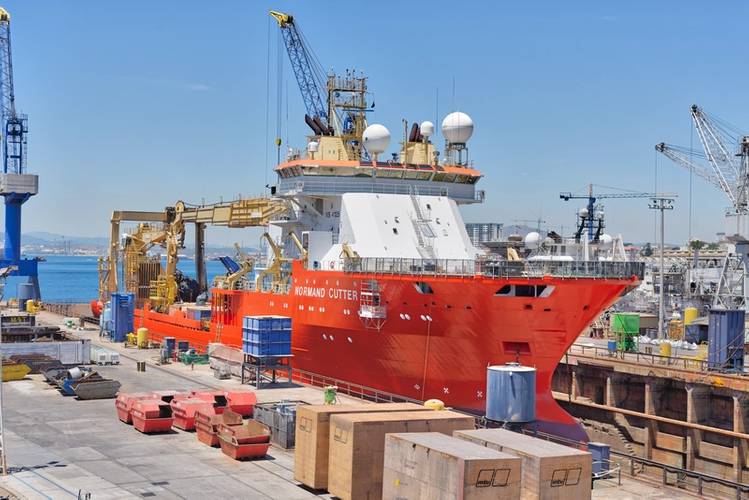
x=57, y=445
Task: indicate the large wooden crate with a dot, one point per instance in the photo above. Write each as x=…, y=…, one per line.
x=433, y=466
x=312, y=437
x=550, y=470
x=357, y=446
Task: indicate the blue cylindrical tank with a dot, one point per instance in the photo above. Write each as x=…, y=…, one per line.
x=25, y=292
x=511, y=393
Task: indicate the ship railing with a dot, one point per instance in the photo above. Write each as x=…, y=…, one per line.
x=500, y=269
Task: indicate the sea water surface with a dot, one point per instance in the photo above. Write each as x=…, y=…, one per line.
x=72, y=278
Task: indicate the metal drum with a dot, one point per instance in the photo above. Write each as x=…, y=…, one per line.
x=511, y=393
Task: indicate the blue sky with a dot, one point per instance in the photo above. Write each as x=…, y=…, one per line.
x=138, y=104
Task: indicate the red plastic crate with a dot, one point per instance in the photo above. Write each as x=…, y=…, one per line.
x=206, y=435
x=184, y=412
x=152, y=415
x=124, y=404
x=216, y=398
x=242, y=402
x=243, y=451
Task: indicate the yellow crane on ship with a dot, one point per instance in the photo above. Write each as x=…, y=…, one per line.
x=144, y=276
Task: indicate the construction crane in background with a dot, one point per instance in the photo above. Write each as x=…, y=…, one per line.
x=726, y=152
x=537, y=222
x=16, y=186
x=307, y=70
x=591, y=217
x=724, y=163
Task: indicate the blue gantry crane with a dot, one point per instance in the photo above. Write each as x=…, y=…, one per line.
x=16, y=185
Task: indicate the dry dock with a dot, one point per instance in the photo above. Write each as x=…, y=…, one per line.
x=58, y=446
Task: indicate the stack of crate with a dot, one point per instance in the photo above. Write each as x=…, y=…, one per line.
x=266, y=336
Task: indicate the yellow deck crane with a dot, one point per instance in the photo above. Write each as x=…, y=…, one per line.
x=167, y=229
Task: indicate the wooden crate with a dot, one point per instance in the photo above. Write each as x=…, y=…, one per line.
x=433, y=466
x=550, y=470
x=313, y=431
x=357, y=446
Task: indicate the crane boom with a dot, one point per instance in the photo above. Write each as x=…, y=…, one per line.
x=726, y=169
x=15, y=127
x=306, y=70
x=681, y=158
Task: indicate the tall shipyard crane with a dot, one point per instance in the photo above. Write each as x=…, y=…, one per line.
x=726, y=152
x=16, y=185
x=591, y=217
x=307, y=70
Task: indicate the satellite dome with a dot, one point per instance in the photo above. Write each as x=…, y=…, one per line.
x=427, y=128
x=457, y=128
x=532, y=240
x=583, y=212
x=606, y=241
x=376, y=138
x=313, y=146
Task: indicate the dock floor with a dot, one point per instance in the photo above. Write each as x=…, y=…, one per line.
x=58, y=446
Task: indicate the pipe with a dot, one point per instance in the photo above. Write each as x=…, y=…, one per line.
x=311, y=124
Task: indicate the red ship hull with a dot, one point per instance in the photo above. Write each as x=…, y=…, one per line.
x=431, y=345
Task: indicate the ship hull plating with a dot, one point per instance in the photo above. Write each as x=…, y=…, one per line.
x=429, y=345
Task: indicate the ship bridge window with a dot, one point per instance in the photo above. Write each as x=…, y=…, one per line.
x=525, y=291
x=423, y=287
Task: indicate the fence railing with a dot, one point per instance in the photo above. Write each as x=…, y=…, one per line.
x=504, y=269
x=670, y=475
x=350, y=389
x=641, y=357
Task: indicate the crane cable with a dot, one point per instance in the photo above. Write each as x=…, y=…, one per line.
x=267, y=105
x=279, y=94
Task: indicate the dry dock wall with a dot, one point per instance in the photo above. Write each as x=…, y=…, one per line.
x=667, y=416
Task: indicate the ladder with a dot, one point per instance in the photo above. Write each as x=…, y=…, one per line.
x=422, y=228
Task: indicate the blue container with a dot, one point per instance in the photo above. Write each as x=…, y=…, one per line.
x=266, y=323
x=601, y=454
x=266, y=348
x=123, y=308
x=612, y=346
x=262, y=336
x=183, y=345
x=170, y=343
x=725, y=338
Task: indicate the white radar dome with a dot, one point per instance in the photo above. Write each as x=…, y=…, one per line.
x=532, y=240
x=313, y=146
x=583, y=212
x=376, y=138
x=607, y=241
x=427, y=128
x=457, y=128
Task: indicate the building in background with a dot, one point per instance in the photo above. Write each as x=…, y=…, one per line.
x=484, y=232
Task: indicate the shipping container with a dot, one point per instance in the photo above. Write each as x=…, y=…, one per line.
x=726, y=339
